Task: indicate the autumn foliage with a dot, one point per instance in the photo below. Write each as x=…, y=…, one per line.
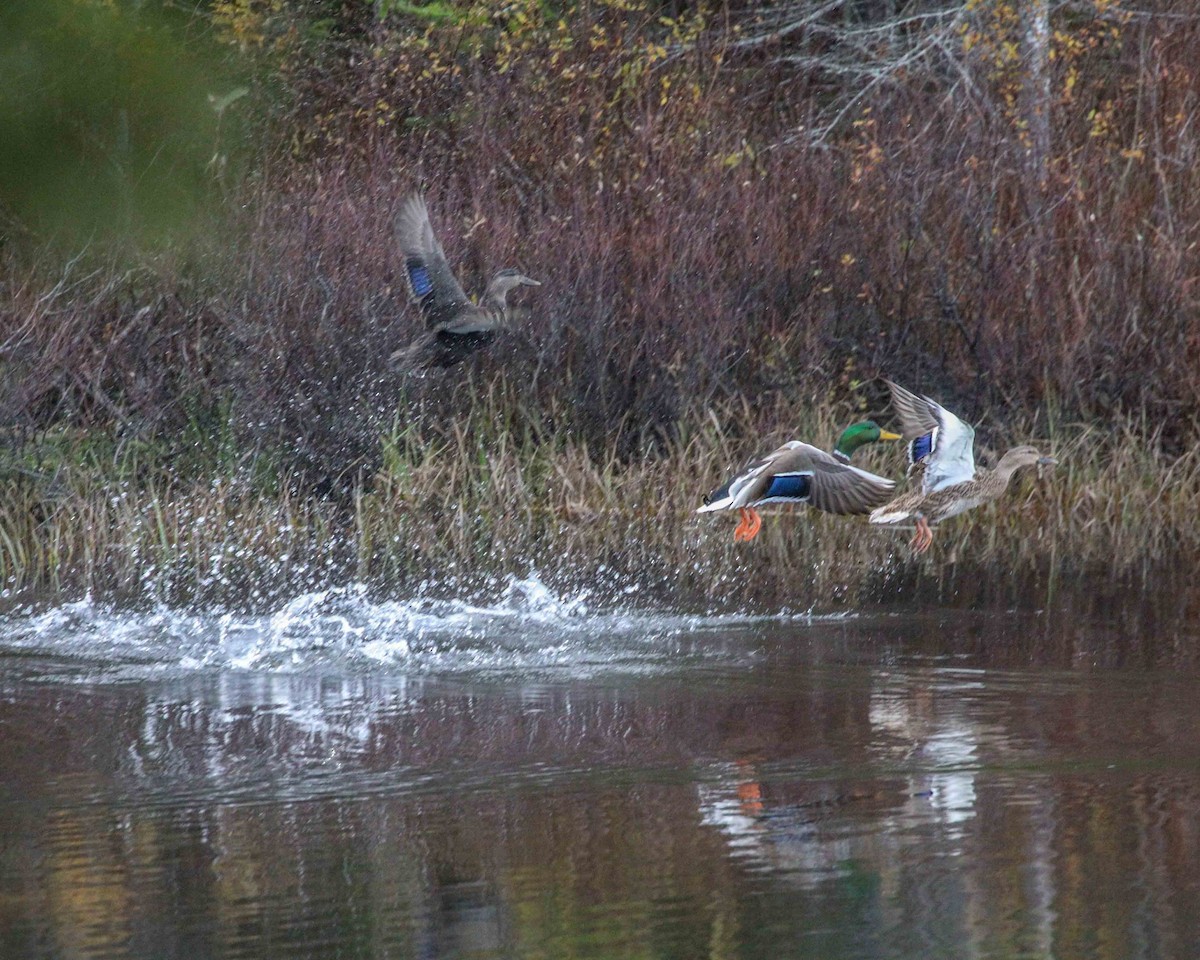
x=718, y=207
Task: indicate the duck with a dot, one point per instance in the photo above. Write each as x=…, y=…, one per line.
x=799, y=472
x=942, y=466
x=455, y=326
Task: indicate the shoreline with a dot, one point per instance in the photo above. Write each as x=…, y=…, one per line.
x=470, y=504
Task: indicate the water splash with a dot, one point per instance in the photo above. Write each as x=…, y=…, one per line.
x=528, y=627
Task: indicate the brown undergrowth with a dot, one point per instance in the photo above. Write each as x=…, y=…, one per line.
x=455, y=506
x=694, y=246
x=217, y=414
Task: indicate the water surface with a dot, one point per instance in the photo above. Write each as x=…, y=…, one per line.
x=530, y=777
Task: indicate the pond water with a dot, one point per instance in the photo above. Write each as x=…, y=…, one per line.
x=967, y=776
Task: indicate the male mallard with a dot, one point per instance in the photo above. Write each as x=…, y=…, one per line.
x=942, y=452
x=801, y=473
x=455, y=327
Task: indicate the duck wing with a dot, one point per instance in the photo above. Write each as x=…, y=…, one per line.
x=952, y=459
x=431, y=283
x=918, y=425
x=834, y=487
x=916, y=417
x=801, y=473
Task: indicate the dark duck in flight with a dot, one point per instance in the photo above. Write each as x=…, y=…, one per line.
x=455, y=327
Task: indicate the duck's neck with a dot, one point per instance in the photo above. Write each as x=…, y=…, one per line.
x=1000, y=477
x=496, y=295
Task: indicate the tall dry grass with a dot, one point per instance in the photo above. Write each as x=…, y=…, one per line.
x=697, y=254
x=456, y=505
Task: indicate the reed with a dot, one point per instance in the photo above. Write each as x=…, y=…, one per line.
x=216, y=416
x=454, y=505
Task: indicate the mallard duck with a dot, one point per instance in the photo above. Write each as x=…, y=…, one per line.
x=455, y=327
x=944, y=463
x=801, y=473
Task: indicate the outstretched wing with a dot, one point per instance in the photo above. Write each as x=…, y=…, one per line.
x=916, y=419
x=431, y=282
x=833, y=486
x=801, y=473
x=952, y=459
x=918, y=425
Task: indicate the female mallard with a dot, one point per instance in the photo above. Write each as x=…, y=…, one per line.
x=455, y=327
x=801, y=473
x=942, y=460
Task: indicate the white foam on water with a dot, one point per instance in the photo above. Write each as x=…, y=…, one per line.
x=528, y=626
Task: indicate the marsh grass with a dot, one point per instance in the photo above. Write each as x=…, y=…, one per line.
x=215, y=417
x=455, y=506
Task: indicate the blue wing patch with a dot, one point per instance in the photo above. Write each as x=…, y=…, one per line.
x=418, y=276
x=789, y=486
x=920, y=448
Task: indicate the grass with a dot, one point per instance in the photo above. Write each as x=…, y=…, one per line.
x=215, y=417
x=453, y=506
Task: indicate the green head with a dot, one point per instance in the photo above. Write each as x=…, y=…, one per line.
x=860, y=434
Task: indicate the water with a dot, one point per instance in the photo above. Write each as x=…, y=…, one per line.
x=532, y=777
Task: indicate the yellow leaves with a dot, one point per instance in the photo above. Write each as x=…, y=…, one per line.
x=1001, y=43
x=654, y=52
x=1101, y=121
x=868, y=158
x=244, y=22
x=744, y=154
x=1069, y=81
x=237, y=22
x=591, y=65
x=385, y=113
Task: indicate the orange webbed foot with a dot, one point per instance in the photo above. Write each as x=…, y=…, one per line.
x=743, y=528
x=748, y=529
x=755, y=524
x=923, y=538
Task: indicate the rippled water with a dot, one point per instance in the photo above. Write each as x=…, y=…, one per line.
x=533, y=777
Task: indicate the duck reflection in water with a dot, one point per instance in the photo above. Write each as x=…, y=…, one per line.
x=466, y=919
